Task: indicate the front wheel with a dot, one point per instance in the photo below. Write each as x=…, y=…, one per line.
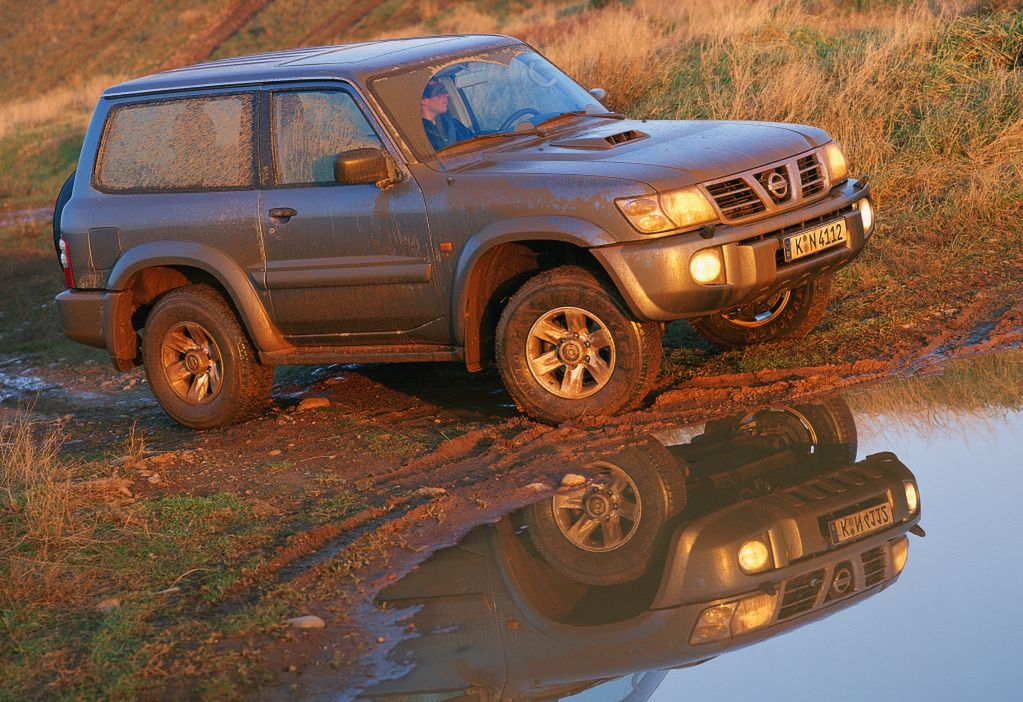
x=567, y=347
x=605, y=532
x=788, y=314
x=199, y=363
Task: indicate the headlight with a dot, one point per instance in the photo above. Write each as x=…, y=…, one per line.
x=705, y=266
x=900, y=552
x=678, y=209
x=866, y=214
x=912, y=496
x=645, y=214
x=734, y=618
x=838, y=169
x=688, y=208
x=755, y=555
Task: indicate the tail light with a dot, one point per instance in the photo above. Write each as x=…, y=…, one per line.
x=65, y=263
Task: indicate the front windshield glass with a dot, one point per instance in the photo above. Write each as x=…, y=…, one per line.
x=498, y=92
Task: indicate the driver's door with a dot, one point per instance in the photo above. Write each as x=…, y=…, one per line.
x=345, y=264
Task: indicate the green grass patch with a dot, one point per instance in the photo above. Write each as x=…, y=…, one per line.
x=199, y=544
x=35, y=161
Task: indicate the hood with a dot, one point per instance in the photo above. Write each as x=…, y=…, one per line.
x=675, y=153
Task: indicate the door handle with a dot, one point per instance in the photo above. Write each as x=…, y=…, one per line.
x=282, y=213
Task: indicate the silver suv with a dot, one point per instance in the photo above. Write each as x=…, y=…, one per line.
x=451, y=198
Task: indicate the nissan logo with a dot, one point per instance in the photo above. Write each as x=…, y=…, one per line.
x=778, y=186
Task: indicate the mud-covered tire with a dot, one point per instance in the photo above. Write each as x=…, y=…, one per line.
x=191, y=334
x=788, y=315
x=826, y=428
x=656, y=492
x=613, y=378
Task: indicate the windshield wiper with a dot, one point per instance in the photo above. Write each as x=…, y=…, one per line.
x=487, y=137
x=581, y=113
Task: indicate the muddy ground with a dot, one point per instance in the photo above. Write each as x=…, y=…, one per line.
x=413, y=455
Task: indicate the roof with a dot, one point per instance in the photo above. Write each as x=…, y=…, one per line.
x=352, y=61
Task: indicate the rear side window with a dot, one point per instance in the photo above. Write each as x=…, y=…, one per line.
x=310, y=127
x=184, y=144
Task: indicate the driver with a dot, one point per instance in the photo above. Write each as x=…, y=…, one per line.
x=441, y=128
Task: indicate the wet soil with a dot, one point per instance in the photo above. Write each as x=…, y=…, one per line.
x=428, y=452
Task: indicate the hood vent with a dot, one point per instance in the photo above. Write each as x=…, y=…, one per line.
x=602, y=142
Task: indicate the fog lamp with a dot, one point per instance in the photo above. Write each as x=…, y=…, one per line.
x=705, y=266
x=912, y=496
x=754, y=555
x=753, y=613
x=900, y=552
x=866, y=214
x=838, y=169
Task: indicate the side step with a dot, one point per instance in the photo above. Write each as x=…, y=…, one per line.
x=384, y=353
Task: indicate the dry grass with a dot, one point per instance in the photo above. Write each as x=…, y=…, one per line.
x=38, y=488
x=74, y=103
x=50, y=508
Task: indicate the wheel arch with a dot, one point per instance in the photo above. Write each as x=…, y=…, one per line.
x=145, y=272
x=498, y=259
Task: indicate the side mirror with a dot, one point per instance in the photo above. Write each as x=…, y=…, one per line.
x=598, y=93
x=358, y=166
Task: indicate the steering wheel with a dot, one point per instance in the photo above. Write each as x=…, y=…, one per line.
x=517, y=115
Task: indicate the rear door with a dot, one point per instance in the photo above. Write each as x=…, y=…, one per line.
x=345, y=264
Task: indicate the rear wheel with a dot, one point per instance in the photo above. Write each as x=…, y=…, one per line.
x=567, y=347
x=785, y=315
x=199, y=363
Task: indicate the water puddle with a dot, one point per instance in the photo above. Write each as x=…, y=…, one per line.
x=775, y=552
x=21, y=386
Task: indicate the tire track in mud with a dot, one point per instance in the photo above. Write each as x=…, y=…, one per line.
x=493, y=470
x=483, y=475
x=496, y=465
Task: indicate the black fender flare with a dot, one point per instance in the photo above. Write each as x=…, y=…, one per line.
x=232, y=278
x=569, y=230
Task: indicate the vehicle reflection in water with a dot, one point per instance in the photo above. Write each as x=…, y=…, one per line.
x=676, y=553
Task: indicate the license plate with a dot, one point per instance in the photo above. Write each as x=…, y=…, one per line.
x=813, y=240
x=863, y=522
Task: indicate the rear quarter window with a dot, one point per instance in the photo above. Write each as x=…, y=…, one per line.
x=195, y=143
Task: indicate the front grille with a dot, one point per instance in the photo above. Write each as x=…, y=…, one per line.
x=736, y=199
x=811, y=175
x=749, y=194
x=873, y=566
x=801, y=594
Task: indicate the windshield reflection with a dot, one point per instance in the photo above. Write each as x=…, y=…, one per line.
x=683, y=546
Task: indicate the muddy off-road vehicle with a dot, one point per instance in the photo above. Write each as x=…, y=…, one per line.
x=434, y=199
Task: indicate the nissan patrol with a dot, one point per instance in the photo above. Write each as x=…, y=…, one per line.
x=452, y=198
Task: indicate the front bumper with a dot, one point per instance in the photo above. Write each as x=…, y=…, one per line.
x=703, y=566
x=653, y=276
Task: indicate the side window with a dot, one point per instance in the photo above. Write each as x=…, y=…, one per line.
x=181, y=144
x=310, y=127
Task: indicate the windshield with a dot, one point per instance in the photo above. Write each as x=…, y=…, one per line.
x=505, y=91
